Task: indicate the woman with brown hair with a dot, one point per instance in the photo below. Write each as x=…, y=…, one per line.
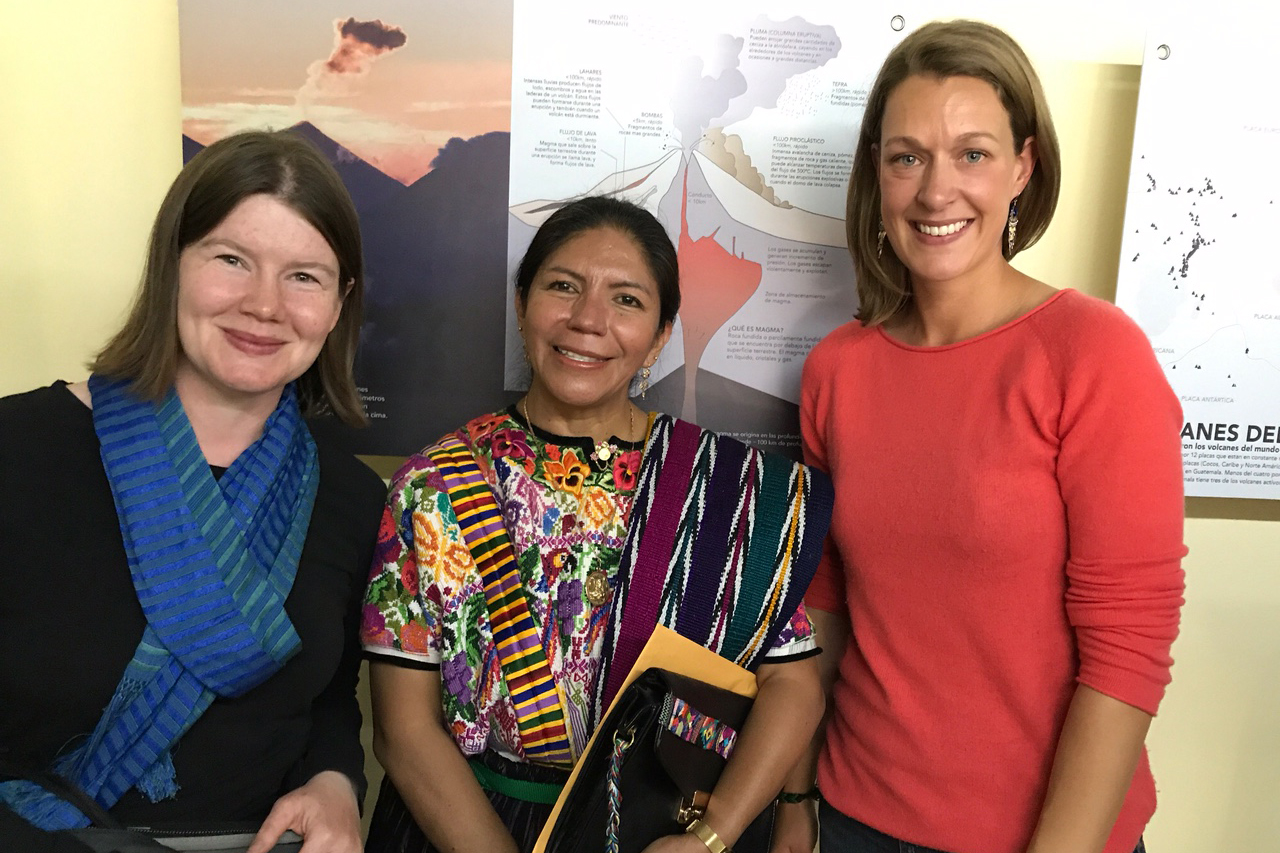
x=1002, y=581
x=205, y=552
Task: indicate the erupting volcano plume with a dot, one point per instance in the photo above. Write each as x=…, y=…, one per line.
x=356, y=46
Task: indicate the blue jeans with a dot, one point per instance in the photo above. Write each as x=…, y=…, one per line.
x=839, y=833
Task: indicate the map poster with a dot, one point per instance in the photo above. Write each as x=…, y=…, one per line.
x=1197, y=264
x=733, y=123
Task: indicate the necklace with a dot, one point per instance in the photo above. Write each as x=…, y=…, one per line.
x=604, y=449
x=596, y=584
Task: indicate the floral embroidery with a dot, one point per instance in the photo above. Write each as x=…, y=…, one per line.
x=568, y=474
x=598, y=507
x=452, y=559
x=414, y=638
x=549, y=519
x=481, y=427
x=626, y=467
x=569, y=604
x=409, y=576
x=434, y=480
x=373, y=626
x=510, y=442
x=565, y=520
x=456, y=674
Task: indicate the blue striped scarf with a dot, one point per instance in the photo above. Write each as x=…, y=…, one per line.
x=213, y=561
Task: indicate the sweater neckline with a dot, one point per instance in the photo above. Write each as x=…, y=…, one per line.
x=1016, y=321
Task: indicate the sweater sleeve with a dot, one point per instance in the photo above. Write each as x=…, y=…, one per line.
x=826, y=592
x=1120, y=472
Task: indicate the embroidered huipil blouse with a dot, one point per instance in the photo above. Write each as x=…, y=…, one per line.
x=567, y=517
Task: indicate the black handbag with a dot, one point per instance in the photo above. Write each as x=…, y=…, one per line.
x=663, y=780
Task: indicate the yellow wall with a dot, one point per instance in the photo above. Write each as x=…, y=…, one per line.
x=89, y=128
x=90, y=109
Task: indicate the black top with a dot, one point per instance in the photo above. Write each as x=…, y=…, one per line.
x=70, y=621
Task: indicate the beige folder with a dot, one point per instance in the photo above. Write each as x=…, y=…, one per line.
x=666, y=650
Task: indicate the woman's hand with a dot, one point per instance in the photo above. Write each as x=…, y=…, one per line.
x=323, y=811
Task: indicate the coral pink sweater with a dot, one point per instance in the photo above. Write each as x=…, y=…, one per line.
x=1008, y=523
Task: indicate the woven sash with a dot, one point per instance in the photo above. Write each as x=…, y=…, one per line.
x=689, y=724
x=539, y=713
x=722, y=543
x=212, y=562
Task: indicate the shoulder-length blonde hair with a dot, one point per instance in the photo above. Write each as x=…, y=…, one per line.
x=947, y=49
x=286, y=167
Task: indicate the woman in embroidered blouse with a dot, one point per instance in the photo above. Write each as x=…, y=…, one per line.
x=596, y=296
x=212, y=594
x=1004, y=560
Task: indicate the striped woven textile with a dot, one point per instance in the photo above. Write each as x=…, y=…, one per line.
x=722, y=544
x=212, y=562
x=690, y=724
x=539, y=713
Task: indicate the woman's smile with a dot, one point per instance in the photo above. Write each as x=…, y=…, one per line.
x=590, y=322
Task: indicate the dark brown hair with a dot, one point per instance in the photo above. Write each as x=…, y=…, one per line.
x=947, y=49
x=631, y=219
x=286, y=167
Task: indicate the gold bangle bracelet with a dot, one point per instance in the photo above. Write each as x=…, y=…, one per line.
x=707, y=836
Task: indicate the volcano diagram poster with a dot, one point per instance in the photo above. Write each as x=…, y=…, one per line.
x=734, y=124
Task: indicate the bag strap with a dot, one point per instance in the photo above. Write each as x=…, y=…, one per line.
x=540, y=715
x=59, y=787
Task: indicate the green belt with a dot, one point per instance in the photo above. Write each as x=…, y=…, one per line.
x=519, y=789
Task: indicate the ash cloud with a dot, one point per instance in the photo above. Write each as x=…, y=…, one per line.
x=360, y=42
x=356, y=46
x=753, y=72
x=700, y=98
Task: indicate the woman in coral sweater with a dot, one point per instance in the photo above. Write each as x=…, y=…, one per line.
x=1002, y=581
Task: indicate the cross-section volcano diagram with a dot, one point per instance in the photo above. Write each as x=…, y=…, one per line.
x=739, y=142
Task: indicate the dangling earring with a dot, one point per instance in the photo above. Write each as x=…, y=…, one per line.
x=644, y=382
x=524, y=347
x=880, y=241
x=1013, y=223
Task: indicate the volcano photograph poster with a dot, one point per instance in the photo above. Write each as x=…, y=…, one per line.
x=411, y=102
x=458, y=127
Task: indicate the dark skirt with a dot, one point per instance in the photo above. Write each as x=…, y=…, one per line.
x=392, y=828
